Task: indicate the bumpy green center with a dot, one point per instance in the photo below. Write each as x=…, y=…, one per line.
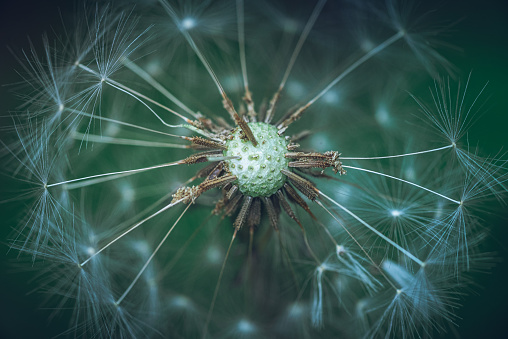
x=258, y=169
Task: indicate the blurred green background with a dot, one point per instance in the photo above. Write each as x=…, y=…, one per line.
x=481, y=32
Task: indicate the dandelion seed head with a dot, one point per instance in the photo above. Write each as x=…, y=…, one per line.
x=258, y=170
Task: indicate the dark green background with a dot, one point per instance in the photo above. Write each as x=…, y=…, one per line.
x=482, y=34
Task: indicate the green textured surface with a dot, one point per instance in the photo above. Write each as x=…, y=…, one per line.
x=258, y=169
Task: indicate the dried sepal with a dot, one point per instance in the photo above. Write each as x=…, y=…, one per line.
x=211, y=126
x=287, y=208
x=247, y=98
x=201, y=157
x=273, y=216
x=316, y=160
x=295, y=197
x=231, y=192
x=228, y=105
x=244, y=212
x=216, y=171
x=216, y=182
x=196, y=123
x=334, y=161
x=202, y=143
x=292, y=118
x=316, y=174
x=262, y=110
x=302, y=184
x=231, y=205
x=188, y=194
x=293, y=146
x=286, y=115
x=271, y=107
x=226, y=188
x=205, y=171
x=254, y=218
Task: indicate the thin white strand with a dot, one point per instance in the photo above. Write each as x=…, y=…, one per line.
x=87, y=183
x=110, y=81
x=120, y=141
x=241, y=42
x=463, y=125
x=381, y=235
x=132, y=228
x=34, y=170
x=354, y=239
x=308, y=27
x=398, y=155
x=357, y=63
x=136, y=95
x=94, y=116
x=216, y=292
x=150, y=258
x=145, y=104
x=133, y=171
x=150, y=80
x=193, y=45
x=404, y=181
x=317, y=299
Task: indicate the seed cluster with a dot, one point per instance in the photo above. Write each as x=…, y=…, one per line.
x=259, y=167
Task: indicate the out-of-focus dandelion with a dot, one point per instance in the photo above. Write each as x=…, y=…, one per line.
x=248, y=170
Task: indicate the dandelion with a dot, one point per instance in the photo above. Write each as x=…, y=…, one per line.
x=191, y=172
